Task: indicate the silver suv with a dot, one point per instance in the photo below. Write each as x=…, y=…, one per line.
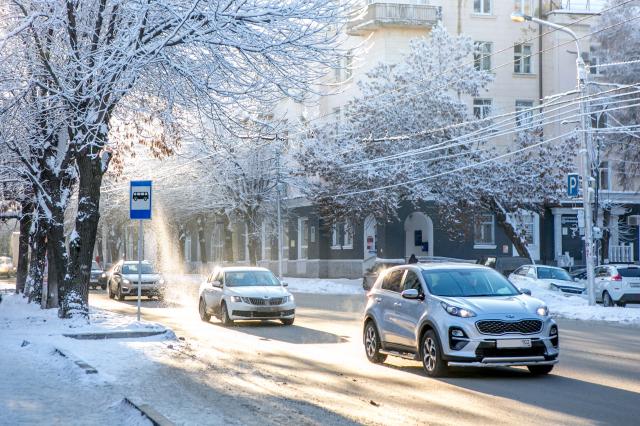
x=452, y=315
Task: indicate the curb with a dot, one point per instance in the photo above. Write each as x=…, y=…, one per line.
x=149, y=412
x=88, y=369
x=123, y=334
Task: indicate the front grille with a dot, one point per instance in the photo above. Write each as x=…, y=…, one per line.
x=252, y=314
x=489, y=350
x=274, y=301
x=497, y=327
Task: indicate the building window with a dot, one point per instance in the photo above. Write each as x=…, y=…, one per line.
x=482, y=7
x=604, y=176
x=217, y=242
x=482, y=55
x=265, y=241
x=187, y=248
x=342, y=235
x=522, y=63
x=524, y=113
x=481, y=108
x=303, y=238
x=594, y=61
x=484, y=226
x=523, y=6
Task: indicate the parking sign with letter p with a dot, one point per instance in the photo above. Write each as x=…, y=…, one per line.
x=573, y=184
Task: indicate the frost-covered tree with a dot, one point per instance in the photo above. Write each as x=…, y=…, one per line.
x=410, y=137
x=109, y=59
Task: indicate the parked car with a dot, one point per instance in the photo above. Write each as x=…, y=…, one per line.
x=503, y=264
x=6, y=266
x=456, y=315
x=379, y=266
x=124, y=281
x=550, y=277
x=245, y=293
x=96, y=274
x=617, y=284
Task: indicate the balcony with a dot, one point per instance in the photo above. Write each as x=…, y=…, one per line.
x=405, y=15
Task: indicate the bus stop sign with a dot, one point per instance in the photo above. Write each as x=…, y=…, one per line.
x=140, y=199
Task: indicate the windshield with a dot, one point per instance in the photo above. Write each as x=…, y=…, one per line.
x=468, y=283
x=250, y=279
x=553, y=274
x=629, y=272
x=133, y=269
x=95, y=266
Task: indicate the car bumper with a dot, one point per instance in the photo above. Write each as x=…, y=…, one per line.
x=145, y=291
x=482, y=349
x=245, y=311
x=625, y=294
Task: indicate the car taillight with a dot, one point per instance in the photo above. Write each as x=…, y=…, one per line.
x=617, y=277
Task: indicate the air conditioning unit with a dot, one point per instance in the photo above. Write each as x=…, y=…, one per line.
x=633, y=220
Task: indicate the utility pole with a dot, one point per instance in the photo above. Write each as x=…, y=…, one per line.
x=279, y=214
x=586, y=149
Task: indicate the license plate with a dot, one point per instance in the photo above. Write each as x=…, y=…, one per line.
x=513, y=343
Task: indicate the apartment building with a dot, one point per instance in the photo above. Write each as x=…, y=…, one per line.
x=527, y=68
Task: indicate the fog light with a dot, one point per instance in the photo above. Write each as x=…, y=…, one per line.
x=457, y=333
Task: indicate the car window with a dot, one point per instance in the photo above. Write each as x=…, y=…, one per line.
x=250, y=279
x=132, y=268
x=602, y=271
x=531, y=272
x=545, y=273
x=523, y=270
x=629, y=272
x=468, y=283
x=411, y=281
x=393, y=280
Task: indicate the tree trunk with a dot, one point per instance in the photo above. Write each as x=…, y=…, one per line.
x=202, y=241
x=511, y=233
x=75, y=292
x=57, y=258
x=23, y=247
x=253, y=241
x=606, y=234
x=35, y=276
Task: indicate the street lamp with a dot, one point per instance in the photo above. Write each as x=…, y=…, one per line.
x=586, y=142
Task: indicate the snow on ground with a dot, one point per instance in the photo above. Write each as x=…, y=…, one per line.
x=40, y=386
x=577, y=307
x=324, y=285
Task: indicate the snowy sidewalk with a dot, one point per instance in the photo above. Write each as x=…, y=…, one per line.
x=40, y=386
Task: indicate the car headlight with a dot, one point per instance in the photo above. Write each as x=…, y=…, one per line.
x=103, y=275
x=236, y=299
x=126, y=282
x=457, y=312
x=543, y=311
x=161, y=281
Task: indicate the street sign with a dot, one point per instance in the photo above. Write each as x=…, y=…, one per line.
x=573, y=184
x=140, y=199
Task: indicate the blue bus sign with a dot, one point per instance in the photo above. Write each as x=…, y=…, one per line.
x=140, y=199
x=573, y=184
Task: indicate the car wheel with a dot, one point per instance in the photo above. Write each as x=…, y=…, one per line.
x=202, y=310
x=372, y=344
x=287, y=321
x=540, y=370
x=224, y=315
x=606, y=300
x=621, y=304
x=120, y=295
x=431, y=355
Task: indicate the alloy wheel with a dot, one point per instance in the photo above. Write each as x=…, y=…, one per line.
x=370, y=341
x=429, y=354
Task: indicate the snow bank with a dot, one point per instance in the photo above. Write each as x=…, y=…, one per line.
x=324, y=285
x=577, y=307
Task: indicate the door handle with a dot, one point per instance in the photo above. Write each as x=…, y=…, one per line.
x=378, y=299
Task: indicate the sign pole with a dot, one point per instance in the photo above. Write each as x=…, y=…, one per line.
x=140, y=231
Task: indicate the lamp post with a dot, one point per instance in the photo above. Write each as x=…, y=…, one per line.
x=586, y=148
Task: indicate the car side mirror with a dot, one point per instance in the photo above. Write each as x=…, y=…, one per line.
x=284, y=283
x=525, y=291
x=216, y=284
x=412, y=294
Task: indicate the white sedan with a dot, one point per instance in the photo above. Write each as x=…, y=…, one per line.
x=245, y=293
x=549, y=277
